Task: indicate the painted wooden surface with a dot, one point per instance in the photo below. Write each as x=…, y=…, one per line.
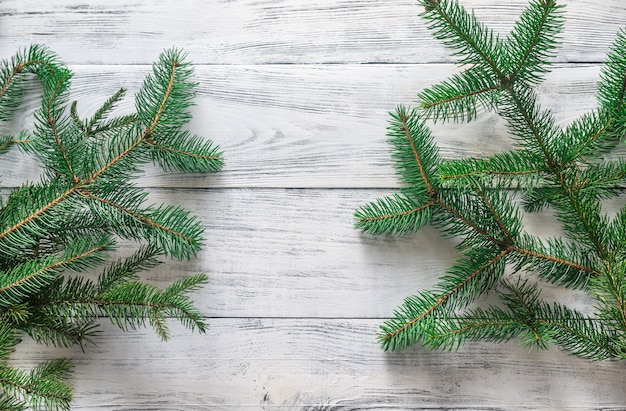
x=297, y=94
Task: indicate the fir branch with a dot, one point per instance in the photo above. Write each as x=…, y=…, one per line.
x=6, y=142
x=177, y=242
x=457, y=29
x=37, y=60
x=493, y=325
x=612, y=85
x=186, y=153
x=83, y=202
x=42, y=387
x=401, y=331
x=398, y=214
x=517, y=168
x=532, y=40
x=457, y=98
x=31, y=277
x=471, y=199
x=417, y=166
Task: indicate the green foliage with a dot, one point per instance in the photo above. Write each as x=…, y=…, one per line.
x=55, y=232
x=481, y=201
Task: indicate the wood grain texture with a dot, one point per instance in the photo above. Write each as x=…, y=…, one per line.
x=274, y=31
x=310, y=126
x=297, y=94
x=305, y=364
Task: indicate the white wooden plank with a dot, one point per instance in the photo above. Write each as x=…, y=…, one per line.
x=296, y=293
x=309, y=364
x=296, y=254
x=274, y=31
x=309, y=126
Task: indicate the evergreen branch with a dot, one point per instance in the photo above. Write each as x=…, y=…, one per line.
x=79, y=185
x=478, y=172
x=555, y=260
x=532, y=40
x=8, y=403
x=31, y=277
x=462, y=32
x=112, y=162
x=8, y=338
x=43, y=387
x=11, y=237
x=103, y=111
x=492, y=325
x=612, y=85
x=127, y=269
x=166, y=95
x=396, y=332
x=579, y=335
x=410, y=129
x=66, y=221
x=108, y=126
x=522, y=167
x=529, y=123
x=457, y=222
x=457, y=97
x=37, y=60
x=393, y=215
x=590, y=135
x=58, y=330
x=74, y=116
x=61, y=86
x=609, y=289
x=7, y=142
x=129, y=303
x=145, y=220
x=470, y=199
x=495, y=214
x=186, y=153
x=527, y=117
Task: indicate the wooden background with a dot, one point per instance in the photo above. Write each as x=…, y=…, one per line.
x=297, y=94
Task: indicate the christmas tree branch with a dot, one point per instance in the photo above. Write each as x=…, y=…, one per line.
x=28, y=278
x=533, y=38
x=395, y=328
x=43, y=387
x=554, y=259
x=143, y=219
x=473, y=199
x=85, y=201
x=555, y=168
x=404, y=119
x=462, y=32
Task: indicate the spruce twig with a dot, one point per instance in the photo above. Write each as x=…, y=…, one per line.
x=472, y=199
x=72, y=218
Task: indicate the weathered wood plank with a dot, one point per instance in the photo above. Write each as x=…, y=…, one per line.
x=309, y=126
x=321, y=364
x=286, y=253
x=296, y=293
x=274, y=31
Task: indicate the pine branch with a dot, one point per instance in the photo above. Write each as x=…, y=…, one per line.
x=472, y=200
x=457, y=99
x=533, y=39
x=85, y=200
x=42, y=387
x=468, y=278
x=518, y=168
x=394, y=215
x=472, y=42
